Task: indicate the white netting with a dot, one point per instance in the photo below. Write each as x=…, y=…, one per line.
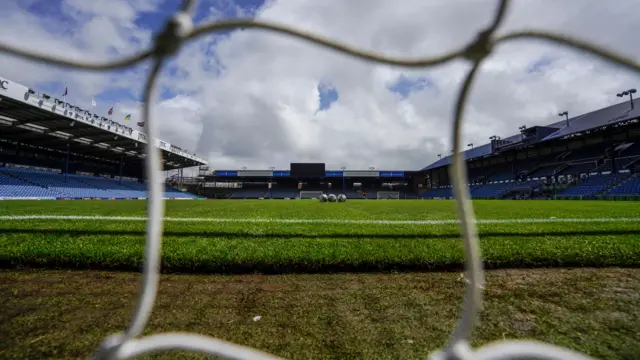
x=387, y=195
x=310, y=194
x=180, y=28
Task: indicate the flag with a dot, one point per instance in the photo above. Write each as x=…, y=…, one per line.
x=128, y=117
x=141, y=124
x=110, y=111
x=93, y=102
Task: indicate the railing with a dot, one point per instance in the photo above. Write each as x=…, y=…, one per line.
x=560, y=169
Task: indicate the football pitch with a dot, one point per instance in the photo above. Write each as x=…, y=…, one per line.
x=271, y=236
x=361, y=279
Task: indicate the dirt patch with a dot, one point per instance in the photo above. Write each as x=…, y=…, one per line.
x=65, y=314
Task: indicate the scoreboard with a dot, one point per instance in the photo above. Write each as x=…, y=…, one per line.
x=309, y=170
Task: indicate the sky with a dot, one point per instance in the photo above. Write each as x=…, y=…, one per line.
x=251, y=99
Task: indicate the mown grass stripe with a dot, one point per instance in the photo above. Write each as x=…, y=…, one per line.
x=321, y=221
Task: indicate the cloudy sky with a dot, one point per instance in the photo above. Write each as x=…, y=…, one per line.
x=247, y=98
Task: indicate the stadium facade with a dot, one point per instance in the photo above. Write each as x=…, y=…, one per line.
x=53, y=149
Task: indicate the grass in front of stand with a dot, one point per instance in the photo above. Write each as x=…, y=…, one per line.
x=270, y=247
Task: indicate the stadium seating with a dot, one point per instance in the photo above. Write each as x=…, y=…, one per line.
x=65, y=186
x=141, y=190
x=173, y=193
x=249, y=194
x=496, y=190
x=444, y=192
x=13, y=187
x=16, y=183
x=128, y=191
x=283, y=193
x=352, y=194
x=630, y=186
x=594, y=185
x=485, y=191
x=475, y=189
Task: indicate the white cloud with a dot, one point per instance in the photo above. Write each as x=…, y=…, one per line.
x=251, y=99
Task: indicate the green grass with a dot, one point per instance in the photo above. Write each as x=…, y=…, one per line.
x=66, y=314
x=242, y=247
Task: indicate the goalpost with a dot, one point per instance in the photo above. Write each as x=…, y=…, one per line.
x=310, y=194
x=388, y=195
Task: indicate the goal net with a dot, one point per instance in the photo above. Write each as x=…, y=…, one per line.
x=310, y=194
x=179, y=28
x=384, y=195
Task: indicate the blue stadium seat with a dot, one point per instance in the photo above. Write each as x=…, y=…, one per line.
x=594, y=185
x=16, y=183
x=352, y=194
x=249, y=194
x=445, y=192
x=283, y=193
x=13, y=187
x=631, y=186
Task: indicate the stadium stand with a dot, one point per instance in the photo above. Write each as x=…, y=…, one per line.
x=279, y=184
x=249, y=194
x=25, y=183
x=595, y=155
x=629, y=186
x=14, y=187
x=50, y=149
x=283, y=194
x=594, y=185
x=576, y=169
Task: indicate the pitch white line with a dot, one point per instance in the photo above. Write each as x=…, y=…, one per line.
x=316, y=221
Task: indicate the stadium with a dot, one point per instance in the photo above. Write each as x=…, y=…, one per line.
x=310, y=261
x=590, y=156
x=55, y=150
x=571, y=171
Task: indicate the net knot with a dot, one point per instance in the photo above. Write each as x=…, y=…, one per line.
x=109, y=347
x=459, y=351
x=168, y=42
x=481, y=47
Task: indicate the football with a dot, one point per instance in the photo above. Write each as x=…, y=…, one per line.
x=332, y=198
x=323, y=198
x=342, y=198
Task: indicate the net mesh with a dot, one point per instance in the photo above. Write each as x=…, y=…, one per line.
x=310, y=194
x=180, y=28
x=382, y=195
